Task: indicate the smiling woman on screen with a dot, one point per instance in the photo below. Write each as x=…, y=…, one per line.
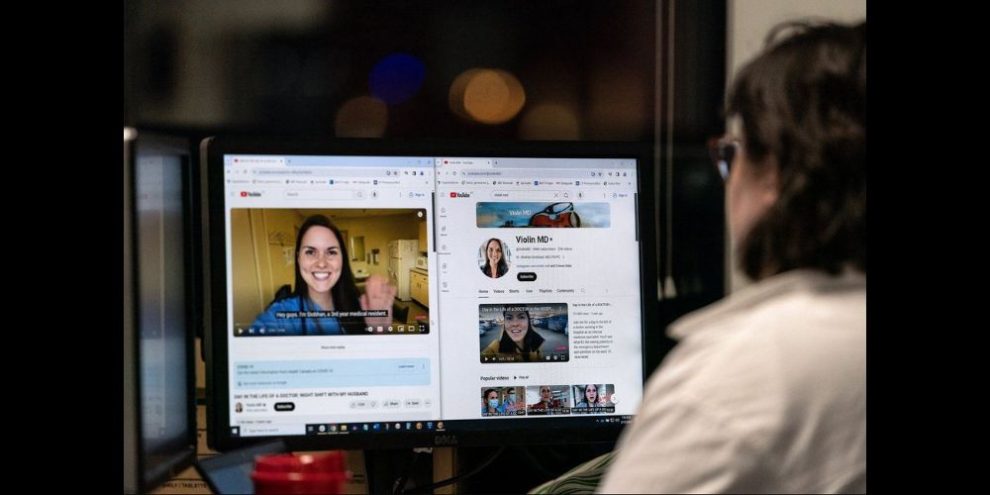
x=324, y=283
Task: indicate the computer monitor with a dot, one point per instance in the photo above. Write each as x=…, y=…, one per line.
x=524, y=281
x=159, y=382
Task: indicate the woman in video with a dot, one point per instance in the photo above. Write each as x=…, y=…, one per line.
x=495, y=265
x=590, y=398
x=519, y=340
x=490, y=405
x=547, y=402
x=324, y=283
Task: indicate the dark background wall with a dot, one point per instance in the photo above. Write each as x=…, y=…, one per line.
x=590, y=71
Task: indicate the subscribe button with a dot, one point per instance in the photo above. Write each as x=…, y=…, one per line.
x=526, y=276
x=285, y=406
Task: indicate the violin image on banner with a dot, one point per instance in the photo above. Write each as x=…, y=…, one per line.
x=556, y=215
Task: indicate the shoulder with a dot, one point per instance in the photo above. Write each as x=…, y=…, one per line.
x=805, y=329
x=290, y=303
x=787, y=295
x=492, y=348
x=809, y=338
x=777, y=376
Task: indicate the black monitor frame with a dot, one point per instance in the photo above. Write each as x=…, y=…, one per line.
x=465, y=432
x=180, y=453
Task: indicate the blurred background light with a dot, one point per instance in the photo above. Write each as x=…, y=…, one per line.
x=488, y=96
x=397, y=78
x=550, y=121
x=361, y=117
x=456, y=93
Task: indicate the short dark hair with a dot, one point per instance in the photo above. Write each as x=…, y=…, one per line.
x=803, y=101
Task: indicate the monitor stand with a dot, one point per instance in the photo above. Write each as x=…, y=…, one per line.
x=385, y=469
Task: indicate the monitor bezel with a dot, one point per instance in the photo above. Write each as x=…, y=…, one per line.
x=479, y=432
x=183, y=450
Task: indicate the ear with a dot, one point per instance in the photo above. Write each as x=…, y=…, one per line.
x=768, y=184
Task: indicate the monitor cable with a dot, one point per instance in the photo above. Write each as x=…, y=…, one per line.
x=449, y=481
x=399, y=485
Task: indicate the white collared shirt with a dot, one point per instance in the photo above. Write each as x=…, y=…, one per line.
x=766, y=392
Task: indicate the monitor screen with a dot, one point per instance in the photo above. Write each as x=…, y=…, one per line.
x=159, y=405
x=387, y=298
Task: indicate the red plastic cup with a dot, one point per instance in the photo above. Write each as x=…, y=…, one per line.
x=300, y=474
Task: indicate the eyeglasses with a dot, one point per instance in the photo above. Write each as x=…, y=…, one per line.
x=723, y=150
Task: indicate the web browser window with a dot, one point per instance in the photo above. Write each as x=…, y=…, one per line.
x=516, y=291
x=294, y=363
x=541, y=256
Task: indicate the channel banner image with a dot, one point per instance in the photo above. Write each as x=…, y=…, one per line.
x=565, y=214
x=515, y=333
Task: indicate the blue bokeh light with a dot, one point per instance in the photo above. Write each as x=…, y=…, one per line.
x=397, y=78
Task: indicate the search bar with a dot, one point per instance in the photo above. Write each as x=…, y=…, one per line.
x=538, y=195
x=325, y=194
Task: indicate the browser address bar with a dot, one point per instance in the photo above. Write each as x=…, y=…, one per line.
x=525, y=173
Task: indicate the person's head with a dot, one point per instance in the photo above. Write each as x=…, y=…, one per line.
x=495, y=255
x=517, y=325
x=322, y=264
x=510, y=396
x=545, y=393
x=491, y=397
x=591, y=393
x=518, y=333
x=796, y=193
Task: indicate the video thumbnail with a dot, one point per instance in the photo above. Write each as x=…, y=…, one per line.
x=548, y=400
x=512, y=333
x=503, y=401
x=298, y=272
x=593, y=398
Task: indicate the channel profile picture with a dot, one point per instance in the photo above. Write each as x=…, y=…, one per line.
x=494, y=258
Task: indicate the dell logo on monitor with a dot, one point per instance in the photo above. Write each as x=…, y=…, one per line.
x=445, y=440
